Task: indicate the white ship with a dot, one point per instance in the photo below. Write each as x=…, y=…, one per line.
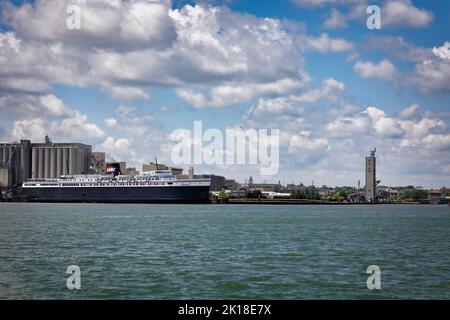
x=158, y=186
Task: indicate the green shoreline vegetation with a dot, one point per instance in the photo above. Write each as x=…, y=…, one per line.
x=310, y=195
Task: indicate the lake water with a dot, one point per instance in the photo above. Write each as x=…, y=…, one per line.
x=223, y=251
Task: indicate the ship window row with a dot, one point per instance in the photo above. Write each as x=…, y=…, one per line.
x=107, y=184
x=72, y=184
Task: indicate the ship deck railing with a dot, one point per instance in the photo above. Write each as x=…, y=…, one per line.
x=102, y=183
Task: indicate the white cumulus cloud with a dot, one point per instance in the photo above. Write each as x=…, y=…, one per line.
x=383, y=70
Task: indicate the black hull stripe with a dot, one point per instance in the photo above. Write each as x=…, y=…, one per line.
x=191, y=194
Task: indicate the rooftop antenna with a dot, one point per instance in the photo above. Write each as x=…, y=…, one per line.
x=48, y=140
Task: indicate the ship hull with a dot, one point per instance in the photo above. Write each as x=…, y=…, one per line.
x=166, y=194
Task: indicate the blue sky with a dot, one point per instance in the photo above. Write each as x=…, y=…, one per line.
x=138, y=70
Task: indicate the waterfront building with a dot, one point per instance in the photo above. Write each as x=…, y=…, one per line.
x=123, y=167
x=27, y=160
x=51, y=160
x=5, y=177
x=15, y=158
x=292, y=187
x=435, y=196
x=266, y=187
x=269, y=187
x=98, y=162
x=325, y=191
x=371, y=181
x=393, y=193
x=231, y=184
x=356, y=197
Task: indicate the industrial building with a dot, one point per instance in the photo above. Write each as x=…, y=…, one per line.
x=231, y=184
x=5, y=177
x=23, y=160
x=15, y=161
x=98, y=162
x=269, y=187
x=371, y=181
x=51, y=160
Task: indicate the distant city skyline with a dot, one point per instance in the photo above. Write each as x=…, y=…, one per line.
x=311, y=69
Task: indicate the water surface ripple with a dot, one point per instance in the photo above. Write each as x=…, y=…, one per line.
x=223, y=251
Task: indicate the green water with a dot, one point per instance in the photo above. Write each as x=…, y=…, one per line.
x=223, y=252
